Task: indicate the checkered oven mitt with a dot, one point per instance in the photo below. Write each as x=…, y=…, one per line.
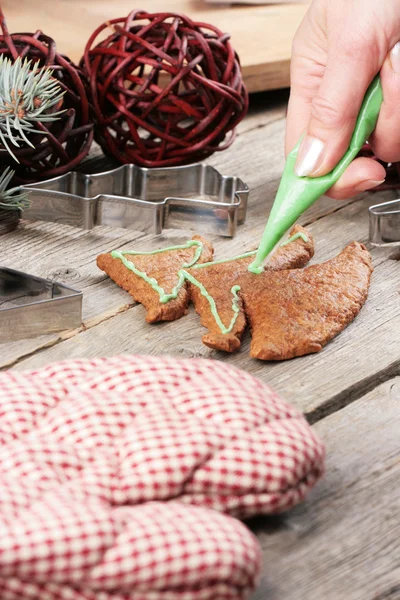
x=109, y=469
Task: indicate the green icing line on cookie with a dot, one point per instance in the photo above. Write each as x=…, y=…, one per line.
x=295, y=237
x=235, y=302
x=224, y=260
x=188, y=244
x=164, y=298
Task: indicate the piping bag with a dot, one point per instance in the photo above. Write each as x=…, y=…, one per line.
x=296, y=194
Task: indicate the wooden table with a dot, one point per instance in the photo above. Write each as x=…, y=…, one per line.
x=262, y=35
x=343, y=542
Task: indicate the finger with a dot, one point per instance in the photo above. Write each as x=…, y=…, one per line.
x=363, y=174
x=307, y=68
x=334, y=110
x=306, y=76
x=386, y=138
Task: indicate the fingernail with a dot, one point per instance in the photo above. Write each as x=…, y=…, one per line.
x=309, y=157
x=368, y=185
x=395, y=58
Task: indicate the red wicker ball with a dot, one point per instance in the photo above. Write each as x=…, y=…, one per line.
x=166, y=91
x=63, y=143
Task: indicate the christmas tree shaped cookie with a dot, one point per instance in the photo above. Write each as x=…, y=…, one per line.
x=154, y=278
x=215, y=288
x=297, y=312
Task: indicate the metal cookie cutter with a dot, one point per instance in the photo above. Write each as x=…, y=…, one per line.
x=31, y=306
x=384, y=224
x=195, y=196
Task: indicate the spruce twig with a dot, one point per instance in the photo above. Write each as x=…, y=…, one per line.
x=26, y=95
x=12, y=199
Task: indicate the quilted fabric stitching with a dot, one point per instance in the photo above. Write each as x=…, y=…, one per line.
x=96, y=454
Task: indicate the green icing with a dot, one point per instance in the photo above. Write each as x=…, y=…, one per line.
x=224, y=260
x=295, y=237
x=188, y=244
x=235, y=303
x=164, y=298
x=296, y=194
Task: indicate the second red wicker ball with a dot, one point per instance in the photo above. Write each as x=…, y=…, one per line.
x=166, y=90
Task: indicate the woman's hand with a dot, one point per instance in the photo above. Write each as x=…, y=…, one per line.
x=337, y=51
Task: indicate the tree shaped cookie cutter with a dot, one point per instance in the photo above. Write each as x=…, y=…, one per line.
x=31, y=306
x=150, y=200
x=384, y=224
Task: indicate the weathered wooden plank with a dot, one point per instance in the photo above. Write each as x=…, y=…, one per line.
x=367, y=350
x=47, y=249
x=343, y=542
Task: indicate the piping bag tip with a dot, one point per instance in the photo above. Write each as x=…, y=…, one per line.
x=296, y=194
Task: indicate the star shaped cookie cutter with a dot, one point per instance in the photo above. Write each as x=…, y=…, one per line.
x=31, y=306
x=195, y=196
x=384, y=223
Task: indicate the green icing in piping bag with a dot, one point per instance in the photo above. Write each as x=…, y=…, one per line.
x=296, y=194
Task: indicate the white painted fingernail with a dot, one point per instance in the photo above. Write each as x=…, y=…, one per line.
x=368, y=185
x=309, y=157
x=395, y=58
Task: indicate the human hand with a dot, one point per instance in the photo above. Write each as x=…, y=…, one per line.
x=337, y=51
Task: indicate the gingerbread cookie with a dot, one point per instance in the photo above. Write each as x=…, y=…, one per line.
x=154, y=278
x=215, y=288
x=297, y=312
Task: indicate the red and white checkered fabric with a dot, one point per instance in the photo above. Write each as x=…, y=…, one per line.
x=109, y=469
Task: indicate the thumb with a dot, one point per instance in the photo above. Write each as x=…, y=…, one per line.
x=334, y=111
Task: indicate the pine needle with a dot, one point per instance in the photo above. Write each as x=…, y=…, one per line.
x=12, y=199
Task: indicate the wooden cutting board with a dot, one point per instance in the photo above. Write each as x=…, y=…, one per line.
x=262, y=35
